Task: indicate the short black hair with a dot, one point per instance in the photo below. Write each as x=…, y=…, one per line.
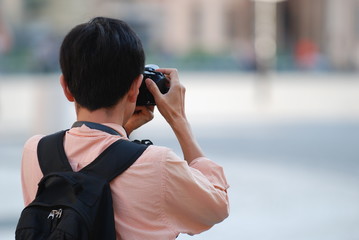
x=100, y=60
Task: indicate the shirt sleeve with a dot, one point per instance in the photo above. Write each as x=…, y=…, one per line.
x=195, y=196
x=30, y=169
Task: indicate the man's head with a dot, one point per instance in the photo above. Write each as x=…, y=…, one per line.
x=100, y=60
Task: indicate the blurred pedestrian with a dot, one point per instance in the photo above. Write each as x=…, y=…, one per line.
x=5, y=37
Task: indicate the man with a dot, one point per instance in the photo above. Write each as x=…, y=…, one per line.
x=160, y=195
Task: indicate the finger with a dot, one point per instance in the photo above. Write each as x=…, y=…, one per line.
x=172, y=73
x=152, y=87
x=140, y=108
x=150, y=108
x=167, y=71
x=146, y=110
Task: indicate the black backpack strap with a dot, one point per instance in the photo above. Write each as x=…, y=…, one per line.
x=110, y=163
x=51, y=154
x=116, y=159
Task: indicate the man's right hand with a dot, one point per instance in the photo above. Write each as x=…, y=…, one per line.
x=172, y=107
x=171, y=104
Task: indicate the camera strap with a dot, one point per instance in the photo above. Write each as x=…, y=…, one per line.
x=109, y=130
x=96, y=126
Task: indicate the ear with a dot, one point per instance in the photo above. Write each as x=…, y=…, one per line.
x=65, y=88
x=134, y=90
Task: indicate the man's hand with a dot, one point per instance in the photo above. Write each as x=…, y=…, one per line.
x=172, y=107
x=141, y=116
x=172, y=104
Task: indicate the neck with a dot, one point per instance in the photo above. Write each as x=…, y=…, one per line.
x=103, y=115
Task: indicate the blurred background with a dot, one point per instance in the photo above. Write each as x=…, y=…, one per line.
x=272, y=95
x=319, y=35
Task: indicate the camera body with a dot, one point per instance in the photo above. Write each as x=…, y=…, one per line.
x=145, y=98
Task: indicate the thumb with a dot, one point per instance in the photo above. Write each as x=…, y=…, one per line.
x=152, y=87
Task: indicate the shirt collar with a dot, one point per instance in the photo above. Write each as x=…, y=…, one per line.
x=83, y=129
x=118, y=128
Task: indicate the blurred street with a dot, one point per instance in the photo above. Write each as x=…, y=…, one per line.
x=289, y=145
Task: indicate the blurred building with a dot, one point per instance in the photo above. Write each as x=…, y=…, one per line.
x=310, y=35
x=321, y=33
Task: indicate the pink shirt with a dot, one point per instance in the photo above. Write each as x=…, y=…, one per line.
x=158, y=197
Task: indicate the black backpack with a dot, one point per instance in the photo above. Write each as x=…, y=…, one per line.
x=75, y=205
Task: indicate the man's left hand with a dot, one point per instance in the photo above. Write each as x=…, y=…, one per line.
x=141, y=116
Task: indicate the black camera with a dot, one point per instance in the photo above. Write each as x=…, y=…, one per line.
x=145, y=97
